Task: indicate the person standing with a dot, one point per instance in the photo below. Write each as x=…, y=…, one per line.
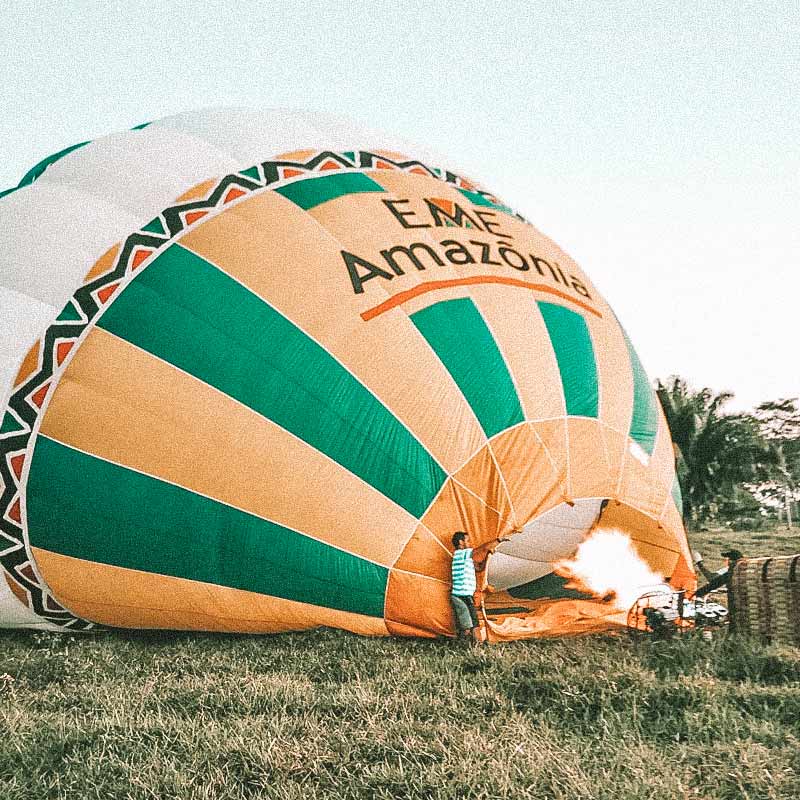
x=465, y=561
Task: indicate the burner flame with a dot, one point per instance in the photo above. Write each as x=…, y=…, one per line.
x=607, y=566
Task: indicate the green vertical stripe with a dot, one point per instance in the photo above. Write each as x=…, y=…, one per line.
x=84, y=507
x=314, y=191
x=677, y=495
x=479, y=200
x=572, y=344
x=35, y=172
x=644, y=421
x=187, y=312
x=458, y=334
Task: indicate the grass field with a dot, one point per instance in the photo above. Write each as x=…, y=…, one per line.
x=776, y=542
x=328, y=714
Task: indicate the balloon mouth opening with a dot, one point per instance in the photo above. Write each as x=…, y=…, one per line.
x=523, y=567
x=578, y=568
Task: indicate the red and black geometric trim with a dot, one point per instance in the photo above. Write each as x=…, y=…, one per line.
x=28, y=398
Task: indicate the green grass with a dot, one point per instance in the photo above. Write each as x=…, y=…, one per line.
x=773, y=542
x=328, y=714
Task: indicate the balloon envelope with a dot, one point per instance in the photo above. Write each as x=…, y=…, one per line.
x=258, y=368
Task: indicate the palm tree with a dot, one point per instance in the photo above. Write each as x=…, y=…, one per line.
x=779, y=422
x=716, y=453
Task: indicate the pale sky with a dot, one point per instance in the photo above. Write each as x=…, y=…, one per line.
x=659, y=144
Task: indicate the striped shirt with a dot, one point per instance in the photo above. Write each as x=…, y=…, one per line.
x=463, y=573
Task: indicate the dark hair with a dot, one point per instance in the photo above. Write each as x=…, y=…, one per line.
x=458, y=537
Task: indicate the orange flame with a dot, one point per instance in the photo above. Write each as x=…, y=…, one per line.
x=607, y=566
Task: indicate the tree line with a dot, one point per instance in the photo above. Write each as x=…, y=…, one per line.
x=739, y=468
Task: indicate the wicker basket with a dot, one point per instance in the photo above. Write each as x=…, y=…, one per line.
x=764, y=599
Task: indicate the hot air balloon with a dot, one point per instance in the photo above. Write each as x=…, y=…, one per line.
x=257, y=367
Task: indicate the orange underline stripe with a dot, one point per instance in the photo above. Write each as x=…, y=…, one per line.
x=432, y=286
